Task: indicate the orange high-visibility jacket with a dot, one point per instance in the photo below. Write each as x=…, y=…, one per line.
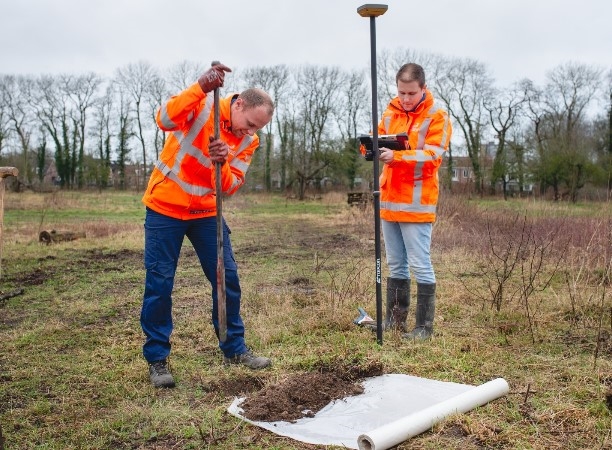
x=409, y=184
x=182, y=184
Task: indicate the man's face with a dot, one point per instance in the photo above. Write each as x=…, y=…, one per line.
x=247, y=121
x=410, y=94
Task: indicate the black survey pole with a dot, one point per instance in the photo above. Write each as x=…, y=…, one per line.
x=373, y=11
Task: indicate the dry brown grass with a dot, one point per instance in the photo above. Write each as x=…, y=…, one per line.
x=71, y=374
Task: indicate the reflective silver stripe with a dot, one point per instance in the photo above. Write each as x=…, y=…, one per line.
x=421, y=156
x=423, y=132
x=386, y=123
x=407, y=207
x=237, y=182
x=188, y=188
x=445, y=128
x=417, y=192
x=186, y=147
x=434, y=108
x=163, y=168
x=239, y=164
x=165, y=118
x=438, y=151
x=244, y=144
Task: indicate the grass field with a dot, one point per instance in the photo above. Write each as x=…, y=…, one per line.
x=524, y=293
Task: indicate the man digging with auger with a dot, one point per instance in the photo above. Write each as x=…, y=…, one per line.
x=181, y=201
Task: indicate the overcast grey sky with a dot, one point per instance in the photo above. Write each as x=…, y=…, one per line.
x=515, y=39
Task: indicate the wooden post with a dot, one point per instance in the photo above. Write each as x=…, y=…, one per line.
x=4, y=172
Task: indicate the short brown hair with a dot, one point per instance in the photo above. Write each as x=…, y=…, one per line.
x=255, y=97
x=411, y=72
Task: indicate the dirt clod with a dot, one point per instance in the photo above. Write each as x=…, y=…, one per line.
x=305, y=394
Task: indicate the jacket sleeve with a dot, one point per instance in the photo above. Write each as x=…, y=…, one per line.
x=234, y=171
x=438, y=136
x=436, y=142
x=176, y=112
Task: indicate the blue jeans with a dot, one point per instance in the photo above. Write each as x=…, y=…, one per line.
x=163, y=241
x=407, y=246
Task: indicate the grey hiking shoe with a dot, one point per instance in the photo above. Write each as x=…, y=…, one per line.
x=160, y=375
x=248, y=359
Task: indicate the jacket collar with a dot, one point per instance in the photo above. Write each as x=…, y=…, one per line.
x=225, y=111
x=426, y=103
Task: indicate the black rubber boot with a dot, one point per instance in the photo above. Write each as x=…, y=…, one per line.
x=425, y=311
x=398, y=301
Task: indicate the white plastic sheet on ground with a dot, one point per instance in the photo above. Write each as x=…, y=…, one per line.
x=392, y=409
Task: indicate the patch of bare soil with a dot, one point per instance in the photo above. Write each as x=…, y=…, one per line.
x=234, y=387
x=88, y=260
x=36, y=277
x=303, y=395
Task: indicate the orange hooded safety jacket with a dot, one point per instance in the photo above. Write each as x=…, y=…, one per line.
x=182, y=184
x=409, y=184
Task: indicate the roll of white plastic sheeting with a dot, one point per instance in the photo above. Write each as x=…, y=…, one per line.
x=393, y=433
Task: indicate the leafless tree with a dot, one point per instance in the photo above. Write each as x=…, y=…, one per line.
x=318, y=88
x=81, y=91
x=569, y=91
x=504, y=107
x=288, y=128
x=572, y=88
x=124, y=134
x=275, y=81
x=157, y=92
x=352, y=116
x=53, y=108
x=559, y=115
x=102, y=116
x=5, y=125
x=16, y=94
x=183, y=74
x=464, y=85
x=136, y=80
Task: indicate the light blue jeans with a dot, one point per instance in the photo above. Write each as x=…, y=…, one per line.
x=407, y=246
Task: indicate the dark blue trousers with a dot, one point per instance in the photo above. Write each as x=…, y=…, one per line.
x=163, y=241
